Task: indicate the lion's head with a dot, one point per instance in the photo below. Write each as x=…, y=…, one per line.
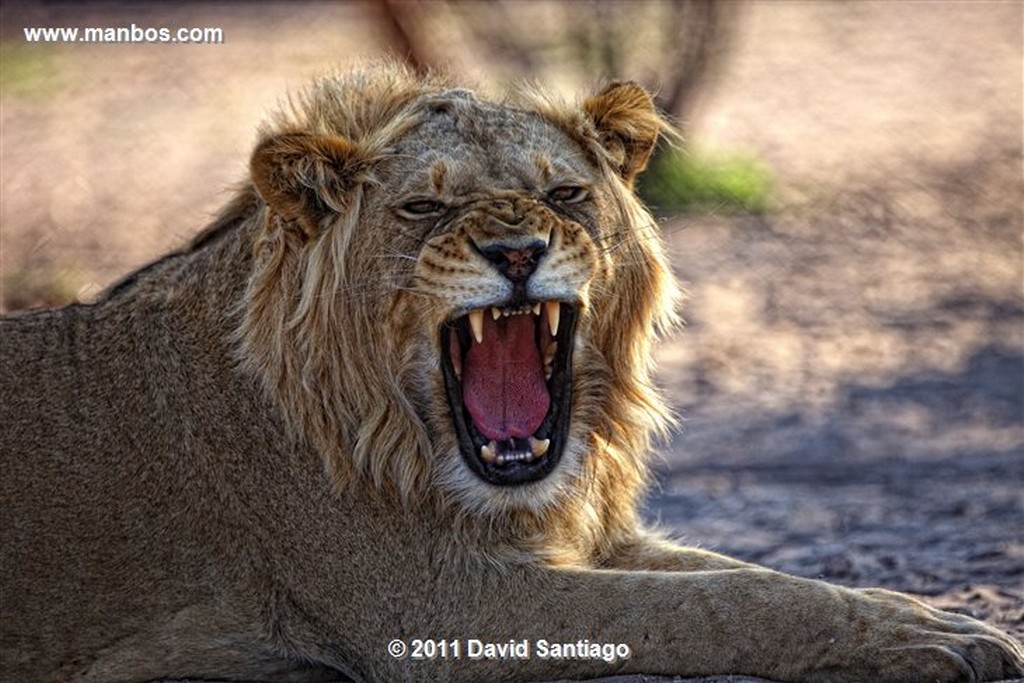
x=455, y=297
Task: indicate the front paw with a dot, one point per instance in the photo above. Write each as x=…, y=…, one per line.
x=897, y=638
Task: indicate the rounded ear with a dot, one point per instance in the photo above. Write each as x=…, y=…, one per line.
x=628, y=124
x=305, y=178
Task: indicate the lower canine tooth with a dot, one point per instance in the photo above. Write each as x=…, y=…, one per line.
x=549, y=352
x=549, y=359
x=489, y=453
x=539, y=446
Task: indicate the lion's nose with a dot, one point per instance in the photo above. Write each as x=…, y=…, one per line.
x=515, y=261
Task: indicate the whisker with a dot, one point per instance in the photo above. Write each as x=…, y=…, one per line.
x=405, y=257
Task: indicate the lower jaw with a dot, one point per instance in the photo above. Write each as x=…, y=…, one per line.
x=515, y=473
x=522, y=471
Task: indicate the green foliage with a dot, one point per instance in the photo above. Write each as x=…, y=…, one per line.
x=36, y=288
x=678, y=181
x=28, y=71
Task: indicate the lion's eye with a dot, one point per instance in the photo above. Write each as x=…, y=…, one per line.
x=421, y=208
x=568, y=194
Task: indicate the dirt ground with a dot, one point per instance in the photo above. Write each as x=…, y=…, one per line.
x=850, y=380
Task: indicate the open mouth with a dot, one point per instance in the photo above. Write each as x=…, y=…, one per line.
x=508, y=376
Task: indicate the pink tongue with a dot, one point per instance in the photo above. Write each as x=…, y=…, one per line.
x=503, y=379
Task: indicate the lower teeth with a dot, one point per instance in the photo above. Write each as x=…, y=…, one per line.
x=514, y=457
x=489, y=452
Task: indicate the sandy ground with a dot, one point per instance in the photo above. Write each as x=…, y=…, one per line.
x=851, y=376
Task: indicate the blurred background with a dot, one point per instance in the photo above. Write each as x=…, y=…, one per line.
x=846, y=212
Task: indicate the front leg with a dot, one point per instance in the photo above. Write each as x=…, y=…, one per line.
x=736, y=621
x=648, y=551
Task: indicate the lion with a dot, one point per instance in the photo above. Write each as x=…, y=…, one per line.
x=387, y=419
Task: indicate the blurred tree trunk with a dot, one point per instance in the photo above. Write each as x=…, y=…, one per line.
x=703, y=32
x=671, y=46
x=400, y=24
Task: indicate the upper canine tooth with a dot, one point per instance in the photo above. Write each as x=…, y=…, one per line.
x=495, y=312
x=476, y=323
x=553, y=309
x=539, y=446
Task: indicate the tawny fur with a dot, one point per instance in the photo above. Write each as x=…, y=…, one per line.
x=239, y=463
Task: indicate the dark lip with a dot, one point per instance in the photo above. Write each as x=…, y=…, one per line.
x=555, y=425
